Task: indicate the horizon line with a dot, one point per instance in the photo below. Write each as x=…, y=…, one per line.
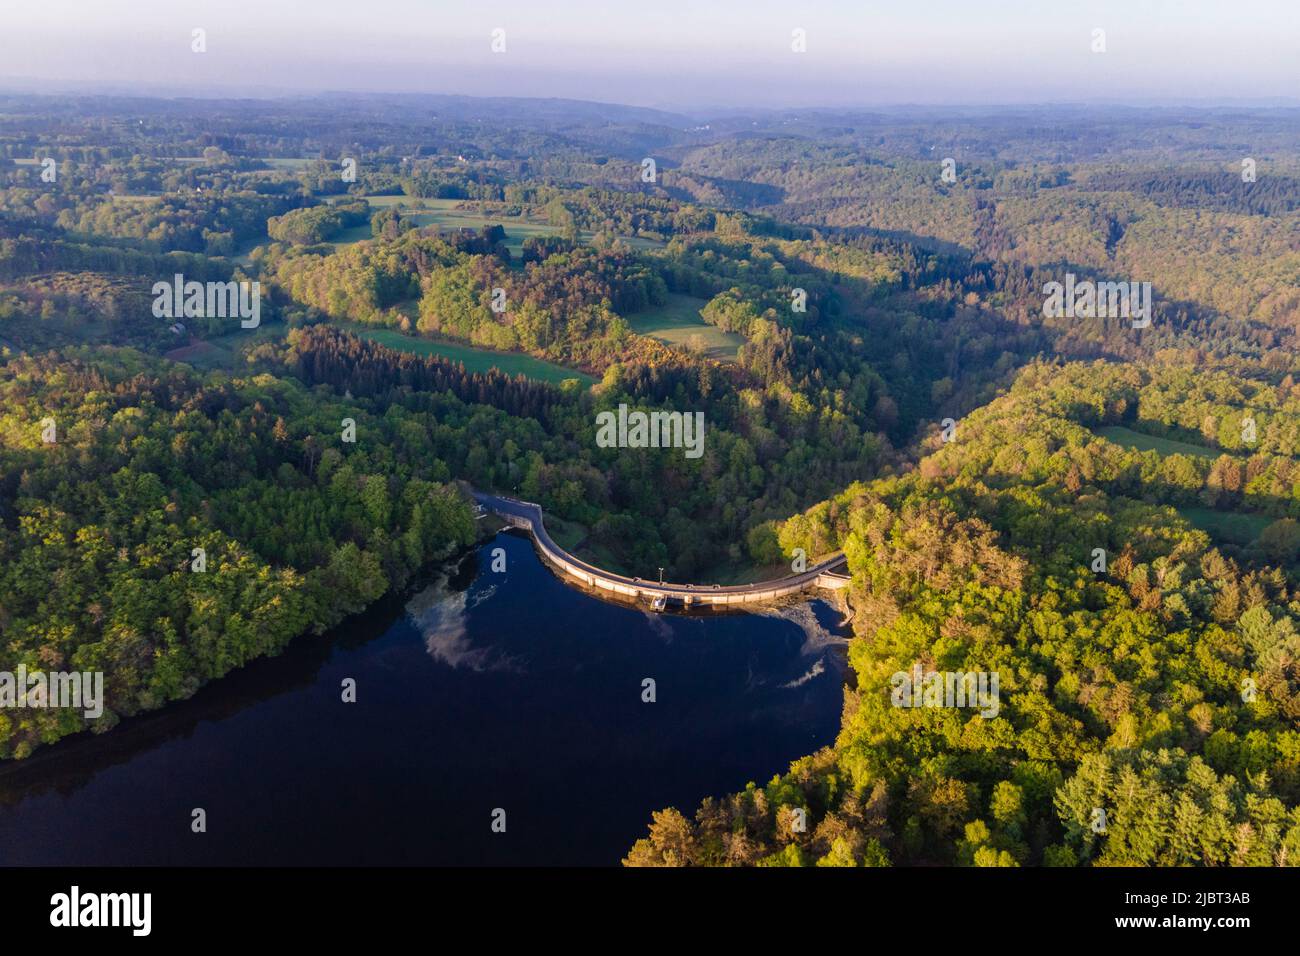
x=19, y=86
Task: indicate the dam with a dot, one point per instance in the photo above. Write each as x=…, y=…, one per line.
x=527, y=516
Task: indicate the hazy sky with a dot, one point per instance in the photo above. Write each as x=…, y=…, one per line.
x=670, y=53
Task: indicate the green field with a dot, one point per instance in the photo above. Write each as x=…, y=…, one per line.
x=1231, y=527
x=441, y=213
x=204, y=355
x=1163, y=446
x=475, y=359
x=428, y=212
x=350, y=235
x=223, y=350
x=1227, y=527
x=290, y=162
x=678, y=323
x=444, y=214
x=641, y=242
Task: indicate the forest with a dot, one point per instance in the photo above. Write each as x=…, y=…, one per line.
x=1107, y=517
x=1161, y=683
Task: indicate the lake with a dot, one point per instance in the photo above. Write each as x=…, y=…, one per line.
x=476, y=691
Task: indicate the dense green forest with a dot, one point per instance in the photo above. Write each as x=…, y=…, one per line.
x=1163, y=689
x=815, y=287
x=149, y=461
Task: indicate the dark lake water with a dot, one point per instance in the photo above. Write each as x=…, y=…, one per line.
x=478, y=691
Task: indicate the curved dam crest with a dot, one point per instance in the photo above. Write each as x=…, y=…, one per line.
x=527, y=516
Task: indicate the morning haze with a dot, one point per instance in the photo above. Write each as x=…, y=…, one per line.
x=675, y=54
